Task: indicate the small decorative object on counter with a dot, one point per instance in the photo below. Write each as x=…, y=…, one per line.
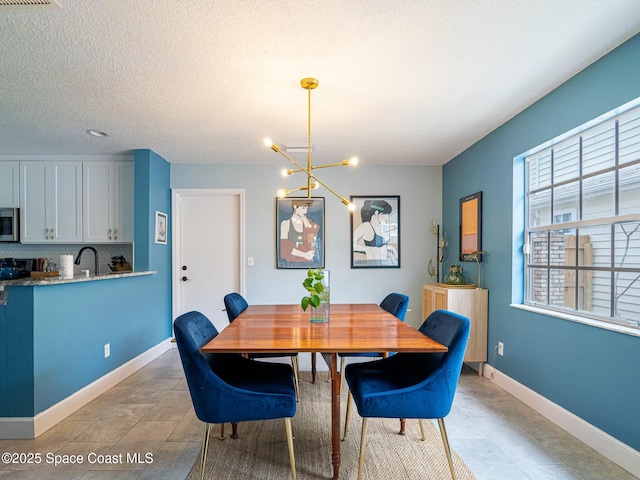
x=66, y=266
x=120, y=264
x=8, y=268
x=455, y=276
x=317, y=285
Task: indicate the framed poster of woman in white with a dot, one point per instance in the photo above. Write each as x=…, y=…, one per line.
x=375, y=232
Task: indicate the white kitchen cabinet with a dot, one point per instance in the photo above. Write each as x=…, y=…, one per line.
x=107, y=198
x=9, y=184
x=50, y=202
x=470, y=302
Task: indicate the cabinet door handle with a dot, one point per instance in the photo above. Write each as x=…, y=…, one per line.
x=115, y=233
x=109, y=234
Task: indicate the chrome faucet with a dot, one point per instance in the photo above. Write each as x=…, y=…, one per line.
x=95, y=253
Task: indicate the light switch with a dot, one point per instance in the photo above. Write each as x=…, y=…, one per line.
x=250, y=261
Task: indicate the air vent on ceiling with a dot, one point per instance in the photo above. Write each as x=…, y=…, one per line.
x=29, y=4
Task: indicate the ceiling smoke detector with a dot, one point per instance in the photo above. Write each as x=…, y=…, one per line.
x=96, y=133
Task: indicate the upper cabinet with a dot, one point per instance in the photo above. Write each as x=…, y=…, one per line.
x=9, y=184
x=50, y=202
x=71, y=202
x=108, y=202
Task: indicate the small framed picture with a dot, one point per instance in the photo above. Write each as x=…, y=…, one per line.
x=300, y=232
x=375, y=232
x=161, y=228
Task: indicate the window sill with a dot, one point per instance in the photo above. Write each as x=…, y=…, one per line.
x=635, y=332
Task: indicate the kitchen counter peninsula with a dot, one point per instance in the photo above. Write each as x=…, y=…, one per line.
x=44, y=281
x=66, y=341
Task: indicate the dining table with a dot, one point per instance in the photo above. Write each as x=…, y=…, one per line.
x=354, y=327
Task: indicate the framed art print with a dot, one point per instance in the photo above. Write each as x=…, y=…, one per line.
x=375, y=232
x=471, y=228
x=161, y=228
x=300, y=232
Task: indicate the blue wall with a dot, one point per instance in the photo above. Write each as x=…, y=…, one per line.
x=587, y=370
x=52, y=337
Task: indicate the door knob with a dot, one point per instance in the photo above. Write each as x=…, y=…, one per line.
x=184, y=279
x=184, y=267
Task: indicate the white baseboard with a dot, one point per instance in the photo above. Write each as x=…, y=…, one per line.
x=32, y=427
x=612, y=448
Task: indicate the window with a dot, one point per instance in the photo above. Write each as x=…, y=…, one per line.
x=582, y=221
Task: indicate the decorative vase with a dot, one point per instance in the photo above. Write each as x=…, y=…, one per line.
x=320, y=314
x=455, y=276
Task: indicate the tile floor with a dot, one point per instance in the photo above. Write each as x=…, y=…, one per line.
x=150, y=413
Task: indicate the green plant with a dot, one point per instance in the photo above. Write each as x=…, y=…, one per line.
x=314, y=286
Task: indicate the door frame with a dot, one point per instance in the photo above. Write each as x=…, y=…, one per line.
x=176, y=195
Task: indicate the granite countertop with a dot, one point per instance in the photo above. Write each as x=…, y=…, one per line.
x=37, y=282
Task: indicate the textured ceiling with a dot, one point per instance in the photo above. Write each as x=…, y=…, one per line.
x=401, y=82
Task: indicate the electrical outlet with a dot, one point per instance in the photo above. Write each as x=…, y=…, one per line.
x=107, y=350
x=500, y=349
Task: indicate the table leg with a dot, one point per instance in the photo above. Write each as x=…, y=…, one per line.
x=335, y=416
x=313, y=367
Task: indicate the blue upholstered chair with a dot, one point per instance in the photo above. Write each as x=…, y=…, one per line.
x=235, y=304
x=394, y=303
x=412, y=385
x=231, y=388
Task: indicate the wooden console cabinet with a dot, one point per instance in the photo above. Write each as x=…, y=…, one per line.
x=470, y=302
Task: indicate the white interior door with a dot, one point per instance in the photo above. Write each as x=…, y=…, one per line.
x=208, y=239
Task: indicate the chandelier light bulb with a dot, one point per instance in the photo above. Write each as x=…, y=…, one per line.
x=285, y=172
x=282, y=193
x=353, y=161
x=268, y=142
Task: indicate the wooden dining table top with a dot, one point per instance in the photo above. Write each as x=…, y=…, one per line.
x=352, y=327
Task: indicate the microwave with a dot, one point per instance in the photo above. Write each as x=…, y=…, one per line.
x=9, y=224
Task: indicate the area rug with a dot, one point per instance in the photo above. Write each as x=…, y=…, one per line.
x=261, y=453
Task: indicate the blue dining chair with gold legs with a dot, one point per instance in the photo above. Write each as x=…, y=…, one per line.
x=394, y=303
x=235, y=304
x=227, y=388
x=412, y=385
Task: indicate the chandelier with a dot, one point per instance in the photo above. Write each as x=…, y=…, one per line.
x=313, y=182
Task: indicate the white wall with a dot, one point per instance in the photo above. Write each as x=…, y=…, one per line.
x=420, y=200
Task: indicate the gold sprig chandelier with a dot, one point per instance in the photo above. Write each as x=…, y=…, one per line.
x=313, y=182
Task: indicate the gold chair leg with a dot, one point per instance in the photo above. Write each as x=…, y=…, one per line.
x=447, y=450
x=421, y=429
x=205, y=448
x=294, y=366
x=346, y=418
x=363, y=445
x=221, y=431
x=292, y=458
